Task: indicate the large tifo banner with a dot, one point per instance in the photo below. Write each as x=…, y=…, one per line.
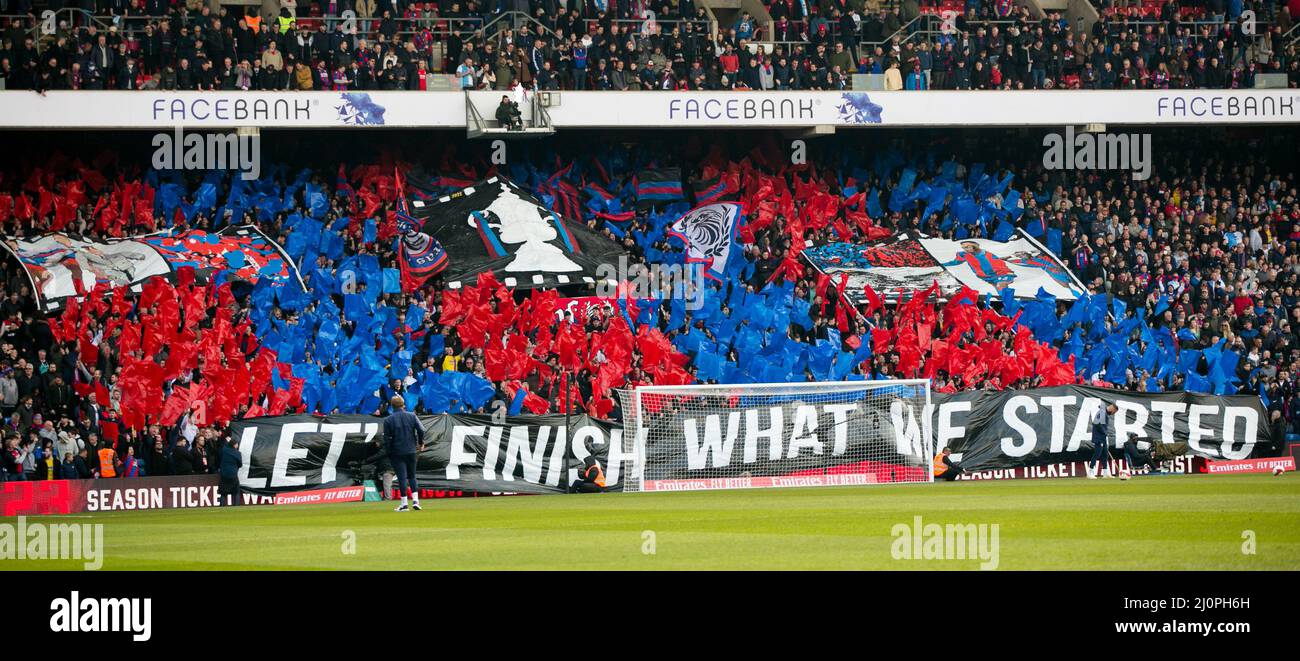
x=61, y=266
x=517, y=454
x=913, y=264
x=1011, y=428
x=534, y=454
x=496, y=227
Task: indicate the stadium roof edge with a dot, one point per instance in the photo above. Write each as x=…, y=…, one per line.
x=648, y=109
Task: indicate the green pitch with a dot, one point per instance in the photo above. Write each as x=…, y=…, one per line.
x=1183, y=522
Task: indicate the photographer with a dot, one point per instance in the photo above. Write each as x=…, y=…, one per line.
x=508, y=115
x=1138, y=456
x=383, y=470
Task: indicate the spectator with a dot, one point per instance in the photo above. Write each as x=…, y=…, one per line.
x=68, y=469
x=131, y=466
x=157, y=459
x=231, y=461
x=182, y=459
x=84, y=465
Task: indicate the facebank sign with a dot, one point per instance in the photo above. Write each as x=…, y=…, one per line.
x=929, y=108
x=158, y=110
x=230, y=109
x=349, y=109
x=775, y=108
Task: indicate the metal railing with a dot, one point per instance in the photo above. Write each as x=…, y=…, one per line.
x=904, y=32
x=645, y=26
x=1290, y=37
x=931, y=27
x=49, y=22
x=1193, y=29
x=514, y=20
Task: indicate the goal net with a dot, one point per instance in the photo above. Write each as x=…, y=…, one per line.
x=682, y=438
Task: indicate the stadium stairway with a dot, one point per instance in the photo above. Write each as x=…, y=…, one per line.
x=724, y=13
x=1080, y=13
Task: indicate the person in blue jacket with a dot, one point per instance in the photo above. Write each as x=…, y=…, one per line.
x=231, y=462
x=404, y=438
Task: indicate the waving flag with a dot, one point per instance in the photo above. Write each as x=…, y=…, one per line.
x=497, y=227
x=709, y=233
x=341, y=182
x=659, y=186
x=714, y=190
x=422, y=255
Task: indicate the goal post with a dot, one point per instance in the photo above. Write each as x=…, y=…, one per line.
x=737, y=436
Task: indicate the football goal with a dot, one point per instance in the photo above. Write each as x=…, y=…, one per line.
x=772, y=435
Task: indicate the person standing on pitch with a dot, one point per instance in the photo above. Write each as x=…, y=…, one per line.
x=231, y=461
x=403, y=438
x=1100, y=450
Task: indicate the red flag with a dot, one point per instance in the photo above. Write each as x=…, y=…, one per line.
x=495, y=362
x=88, y=351
x=881, y=339
x=535, y=404
x=93, y=179
x=23, y=207
x=873, y=300
x=454, y=307
x=175, y=406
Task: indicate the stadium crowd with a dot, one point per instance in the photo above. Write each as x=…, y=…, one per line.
x=1205, y=249
x=393, y=45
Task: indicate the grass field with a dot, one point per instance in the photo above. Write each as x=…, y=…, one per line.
x=1184, y=522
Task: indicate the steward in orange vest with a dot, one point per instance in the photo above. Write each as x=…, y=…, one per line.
x=944, y=468
x=107, y=462
x=592, y=477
